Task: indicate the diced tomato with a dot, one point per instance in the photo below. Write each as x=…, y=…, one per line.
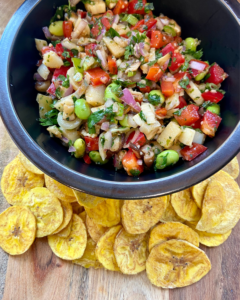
x=217, y=75
x=121, y=7
x=67, y=28
x=189, y=153
x=195, y=73
x=138, y=25
x=87, y=159
x=91, y=143
x=183, y=102
x=169, y=48
x=82, y=14
x=167, y=88
x=96, y=30
x=52, y=89
x=178, y=77
x=146, y=89
x=212, y=96
x=177, y=61
x=137, y=7
x=112, y=65
x=197, y=124
x=97, y=17
x=124, y=36
x=98, y=76
x=161, y=112
x=141, y=140
x=106, y=23
x=156, y=39
x=61, y=71
x=178, y=39
x=89, y=49
x=154, y=73
x=188, y=115
x=108, y=13
x=47, y=49
x=130, y=164
x=147, y=25
x=210, y=123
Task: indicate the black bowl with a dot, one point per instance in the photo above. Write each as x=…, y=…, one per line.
x=214, y=22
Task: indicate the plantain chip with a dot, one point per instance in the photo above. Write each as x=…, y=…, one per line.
x=17, y=229
x=17, y=181
x=198, y=191
x=61, y=191
x=95, y=230
x=65, y=232
x=28, y=165
x=176, y=263
x=169, y=214
x=46, y=208
x=138, y=216
x=232, y=168
x=104, y=249
x=210, y=239
x=106, y=213
x=67, y=216
x=77, y=208
x=185, y=206
x=213, y=206
x=89, y=258
x=87, y=200
x=232, y=212
x=170, y=231
x=131, y=252
x=83, y=216
x=74, y=245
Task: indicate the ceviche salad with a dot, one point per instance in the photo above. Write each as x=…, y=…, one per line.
x=118, y=84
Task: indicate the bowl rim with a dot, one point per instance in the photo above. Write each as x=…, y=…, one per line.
x=79, y=181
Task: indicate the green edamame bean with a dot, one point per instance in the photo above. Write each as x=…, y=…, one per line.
x=170, y=30
x=56, y=28
x=156, y=97
x=214, y=108
x=82, y=109
x=112, y=91
x=80, y=147
x=96, y=157
x=191, y=44
x=166, y=158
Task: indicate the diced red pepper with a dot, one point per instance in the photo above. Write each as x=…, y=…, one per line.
x=98, y=76
x=87, y=159
x=89, y=49
x=183, y=102
x=67, y=28
x=137, y=7
x=167, y=88
x=169, y=48
x=140, y=140
x=96, y=30
x=148, y=16
x=138, y=25
x=156, y=39
x=217, y=75
x=112, y=65
x=61, y=71
x=177, y=61
x=210, y=123
x=108, y=13
x=120, y=7
x=146, y=25
x=106, y=23
x=161, y=112
x=189, y=153
x=188, y=115
x=47, y=49
x=91, y=143
x=197, y=124
x=130, y=164
x=81, y=13
x=124, y=36
x=212, y=96
x=52, y=89
x=154, y=73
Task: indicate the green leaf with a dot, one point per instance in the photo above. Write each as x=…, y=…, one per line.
x=66, y=63
x=50, y=118
x=139, y=5
x=75, y=52
x=179, y=112
x=95, y=118
x=66, y=54
x=195, y=54
x=148, y=7
x=142, y=116
x=185, y=66
x=128, y=51
x=143, y=85
x=124, y=83
x=112, y=33
x=184, y=83
x=59, y=14
x=54, y=43
x=58, y=93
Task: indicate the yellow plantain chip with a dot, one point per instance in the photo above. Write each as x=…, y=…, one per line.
x=172, y=231
x=83, y=216
x=77, y=208
x=213, y=206
x=95, y=230
x=198, y=191
x=89, y=258
x=61, y=191
x=65, y=232
x=131, y=252
x=28, y=165
x=185, y=206
x=176, y=263
x=232, y=212
x=46, y=208
x=87, y=200
x=232, y=168
x=169, y=214
x=67, y=216
x=210, y=239
x=17, y=181
x=74, y=245
x=104, y=250
x=138, y=216
x=17, y=229
x=106, y=213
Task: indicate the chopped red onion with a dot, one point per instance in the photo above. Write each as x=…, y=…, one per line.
x=105, y=126
x=71, y=149
x=38, y=77
x=101, y=35
x=184, y=48
x=104, y=79
x=129, y=99
x=102, y=56
x=136, y=51
x=141, y=49
x=164, y=21
x=68, y=91
x=159, y=24
x=197, y=65
x=116, y=19
x=64, y=139
x=139, y=162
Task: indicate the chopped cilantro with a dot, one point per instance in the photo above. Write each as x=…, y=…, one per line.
x=66, y=54
x=128, y=51
x=66, y=63
x=102, y=140
x=54, y=43
x=185, y=66
x=59, y=14
x=145, y=84
x=179, y=112
x=142, y=116
x=139, y=38
x=50, y=118
x=58, y=93
x=75, y=52
x=195, y=54
x=95, y=118
x=110, y=114
x=135, y=173
x=139, y=5
x=74, y=99
x=148, y=7
x=124, y=83
x=112, y=33
x=184, y=83
x=158, y=55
